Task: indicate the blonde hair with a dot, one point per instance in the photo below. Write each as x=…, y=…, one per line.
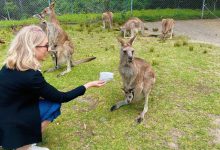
x=21, y=54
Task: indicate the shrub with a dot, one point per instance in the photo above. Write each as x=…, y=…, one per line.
x=177, y=44
x=191, y=48
x=152, y=49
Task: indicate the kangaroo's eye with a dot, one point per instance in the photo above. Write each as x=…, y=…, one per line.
x=124, y=52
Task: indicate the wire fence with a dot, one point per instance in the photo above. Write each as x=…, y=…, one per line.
x=22, y=9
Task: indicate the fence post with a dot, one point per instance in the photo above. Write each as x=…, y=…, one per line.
x=71, y=6
x=7, y=10
x=131, y=7
x=21, y=7
x=203, y=7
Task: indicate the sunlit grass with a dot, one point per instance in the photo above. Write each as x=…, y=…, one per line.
x=184, y=97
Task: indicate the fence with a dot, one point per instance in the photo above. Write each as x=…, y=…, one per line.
x=22, y=9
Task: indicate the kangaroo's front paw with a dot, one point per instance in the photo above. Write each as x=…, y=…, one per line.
x=114, y=107
x=140, y=119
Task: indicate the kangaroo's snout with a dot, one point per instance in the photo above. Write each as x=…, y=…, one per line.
x=130, y=59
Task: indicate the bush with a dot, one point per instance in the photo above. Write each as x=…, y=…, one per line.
x=191, y=48
x=177, y=44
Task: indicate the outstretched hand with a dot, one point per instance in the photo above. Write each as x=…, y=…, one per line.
x=98, y=83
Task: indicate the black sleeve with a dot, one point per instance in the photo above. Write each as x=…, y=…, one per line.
x=47, y=91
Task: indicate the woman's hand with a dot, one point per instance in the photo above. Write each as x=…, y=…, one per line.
x=94, y=84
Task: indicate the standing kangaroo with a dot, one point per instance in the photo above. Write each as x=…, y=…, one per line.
x=59, y=42
x=134, y=25
x=167, y=27
x=107, y=17
x=137, y=76
x=52, y=34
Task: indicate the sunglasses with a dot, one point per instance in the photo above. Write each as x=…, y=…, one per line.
x=46, y=46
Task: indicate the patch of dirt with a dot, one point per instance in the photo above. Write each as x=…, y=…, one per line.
x=215, y=132
x=175, y=134
x=204, y=31
x=203, y=88
x=90, y=102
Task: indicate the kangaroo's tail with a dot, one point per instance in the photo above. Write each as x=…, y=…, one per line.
x=83, y=61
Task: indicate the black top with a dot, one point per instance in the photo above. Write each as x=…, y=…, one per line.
x=20, y=122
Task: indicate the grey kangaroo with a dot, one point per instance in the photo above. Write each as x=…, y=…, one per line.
x=167, y=27
x=133, y=25
x=52, y=34
x=107, y=17
x=59, y=41
x=137, y=76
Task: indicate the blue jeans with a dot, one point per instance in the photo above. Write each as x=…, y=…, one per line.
x=49, y=110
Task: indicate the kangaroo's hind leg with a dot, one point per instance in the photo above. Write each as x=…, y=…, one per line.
x=56, y=65
x=110, y=24
x=68, y=69
x=142, y=29
x=67, y=55
x=141, y=116
x=103, y=22
x=171, y=33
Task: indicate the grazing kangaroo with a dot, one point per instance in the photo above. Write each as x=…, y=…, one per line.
x=134, y=25
x=107, y=17
x=137, y=76
x=59, y=42
x=167, y=27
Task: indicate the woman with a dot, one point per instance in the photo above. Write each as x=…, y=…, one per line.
x=23, y=116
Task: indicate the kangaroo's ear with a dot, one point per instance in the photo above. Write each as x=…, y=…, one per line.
x=121, y=41
x=131, y=41
x=52, y=5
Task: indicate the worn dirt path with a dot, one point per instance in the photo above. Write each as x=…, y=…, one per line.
x=204, y=31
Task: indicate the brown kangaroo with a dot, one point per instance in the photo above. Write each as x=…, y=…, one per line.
x=59, y=42
x=107, y=17
x=137, y=76
x=167, y=27
x=134, y=25
x=52, y=34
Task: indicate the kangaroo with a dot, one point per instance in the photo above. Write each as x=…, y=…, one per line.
x=134, y=25
x=167, y=27
x=59, y=42
x=137, y=76
x=107, y=17
x=52, y=34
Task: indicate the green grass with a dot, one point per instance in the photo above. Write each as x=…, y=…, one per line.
x=119, y=17
x=184, y=97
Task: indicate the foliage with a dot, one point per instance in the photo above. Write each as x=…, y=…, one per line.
x=20, y=9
